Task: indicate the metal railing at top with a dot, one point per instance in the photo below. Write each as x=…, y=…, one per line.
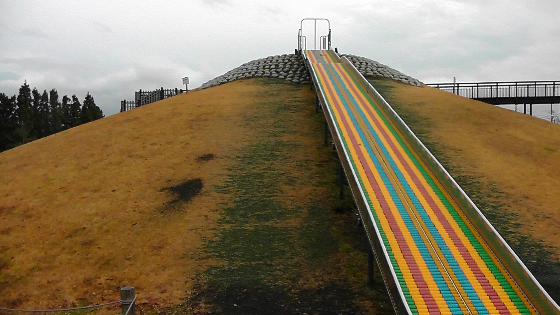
x=324, y=40
x=302, y=40
x=535, y=92
x=323, y=43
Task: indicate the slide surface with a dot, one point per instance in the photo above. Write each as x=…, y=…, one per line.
x=439, y=262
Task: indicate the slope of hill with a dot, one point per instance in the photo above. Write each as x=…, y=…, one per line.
x=86, y=211
x=222, y=199
x=225, y=200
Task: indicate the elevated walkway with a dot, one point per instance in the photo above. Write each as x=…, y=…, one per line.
x=502, y=93
x=435, y=250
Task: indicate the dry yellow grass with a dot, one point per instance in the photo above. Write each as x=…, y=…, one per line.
x=83, y=212
x=516, y=152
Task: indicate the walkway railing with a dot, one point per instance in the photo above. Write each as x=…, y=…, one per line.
x=147, y=97
x=499, y=93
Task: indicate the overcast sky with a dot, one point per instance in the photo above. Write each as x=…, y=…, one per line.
x=113, y=48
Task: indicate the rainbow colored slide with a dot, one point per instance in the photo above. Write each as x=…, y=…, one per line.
x=436, y=251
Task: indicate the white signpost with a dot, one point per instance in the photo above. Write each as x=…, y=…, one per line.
x=186, y=82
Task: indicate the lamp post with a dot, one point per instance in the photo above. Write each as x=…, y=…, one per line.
x=186, y=82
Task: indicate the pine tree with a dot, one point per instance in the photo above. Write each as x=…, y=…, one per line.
x=56, y=114
x=90, y=111
x=65, y=110
x=31, y=115
x=8, y=123
x=36, y=112
x=42, y=119
x=24, y=104
x=75, y=112
x=24, y=116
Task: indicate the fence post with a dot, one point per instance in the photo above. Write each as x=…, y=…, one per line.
x=553, y=91
x=341, y=179
x=127, y=298
x=123, y=106
x=161, y=94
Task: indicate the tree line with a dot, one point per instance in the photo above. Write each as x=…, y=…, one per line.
x=33, y=115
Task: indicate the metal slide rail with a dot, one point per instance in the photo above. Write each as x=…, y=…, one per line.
x=498, y=93
x=436, y=251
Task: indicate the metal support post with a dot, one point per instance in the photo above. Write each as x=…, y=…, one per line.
x=371, y=267
x=326, y=133
x=139, y=100
x=341, y=180
x=127, y=301
x=315, y=37
x=186, y=83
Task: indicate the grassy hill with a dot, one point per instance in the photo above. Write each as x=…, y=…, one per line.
x=224, y=200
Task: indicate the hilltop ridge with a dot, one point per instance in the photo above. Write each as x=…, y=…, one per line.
x=291, y=67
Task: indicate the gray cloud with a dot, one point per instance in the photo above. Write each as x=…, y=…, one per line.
x=8, y=76
x=112, y=48
x=102, y=27
x=215, y=2
x=34, y=32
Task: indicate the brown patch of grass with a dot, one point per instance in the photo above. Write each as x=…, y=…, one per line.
x=281, y=244
x=206, y=157
x=184, y=191
x=79, y=210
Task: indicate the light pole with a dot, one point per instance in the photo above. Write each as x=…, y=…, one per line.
x=186, y=82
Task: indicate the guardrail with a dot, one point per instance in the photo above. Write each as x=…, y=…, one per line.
x=500, y=93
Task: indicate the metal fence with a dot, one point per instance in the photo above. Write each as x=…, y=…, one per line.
x=127, y=304
x=146, y=97
x=529, y=92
